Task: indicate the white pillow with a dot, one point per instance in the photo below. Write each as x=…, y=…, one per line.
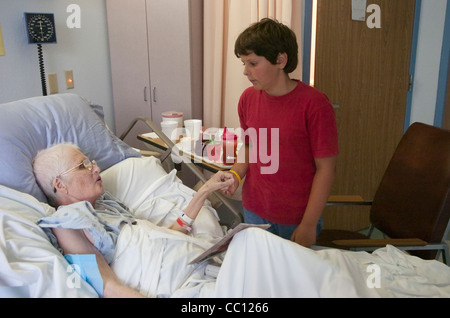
x=129, y=179
x=30, y=125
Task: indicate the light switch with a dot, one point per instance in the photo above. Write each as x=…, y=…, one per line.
x=53, y=83
x=359, y=10
x=69, y=79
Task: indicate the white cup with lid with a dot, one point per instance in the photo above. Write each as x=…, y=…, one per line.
x=173, y=115
x=169, y=128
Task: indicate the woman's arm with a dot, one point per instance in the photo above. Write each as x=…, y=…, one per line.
x=219, y=181
x=305, y=234
x=79, y=242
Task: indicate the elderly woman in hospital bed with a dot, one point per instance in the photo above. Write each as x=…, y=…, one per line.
x=68, y=177
x=122, y=255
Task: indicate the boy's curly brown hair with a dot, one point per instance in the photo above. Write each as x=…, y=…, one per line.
x=269, y=38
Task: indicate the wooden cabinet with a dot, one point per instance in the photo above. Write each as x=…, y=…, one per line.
x=156, y=59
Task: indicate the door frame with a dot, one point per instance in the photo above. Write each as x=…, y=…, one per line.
x=307, y=40
x=443, y=73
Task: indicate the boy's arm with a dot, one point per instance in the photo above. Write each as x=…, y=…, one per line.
x=305, y=234
x=240, y=167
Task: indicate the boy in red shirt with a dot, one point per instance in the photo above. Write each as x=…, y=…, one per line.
x=291, y=190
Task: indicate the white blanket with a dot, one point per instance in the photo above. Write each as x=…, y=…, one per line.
x=154, y=260
x=259, y=264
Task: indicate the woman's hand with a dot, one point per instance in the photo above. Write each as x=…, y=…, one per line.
x=219, y=181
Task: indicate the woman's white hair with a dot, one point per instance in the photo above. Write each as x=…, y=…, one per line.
x=49, y=164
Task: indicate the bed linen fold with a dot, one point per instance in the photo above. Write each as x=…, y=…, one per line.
x=154, y=261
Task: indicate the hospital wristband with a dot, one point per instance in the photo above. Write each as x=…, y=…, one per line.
x=184, y=225
x=186, y=219
x=237, y=175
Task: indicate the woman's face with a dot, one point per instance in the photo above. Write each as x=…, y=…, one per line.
x=81, y=183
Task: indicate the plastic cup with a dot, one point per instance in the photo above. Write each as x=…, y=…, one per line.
x=173, y=116
x=169, y=128
x=193, y=128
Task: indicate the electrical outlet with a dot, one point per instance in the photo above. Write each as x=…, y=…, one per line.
x=69, y=79
x=53, y=83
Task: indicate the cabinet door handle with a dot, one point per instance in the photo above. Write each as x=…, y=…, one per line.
x=145, y=94
x=154, y=94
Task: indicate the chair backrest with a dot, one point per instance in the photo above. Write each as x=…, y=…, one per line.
x=413, y=198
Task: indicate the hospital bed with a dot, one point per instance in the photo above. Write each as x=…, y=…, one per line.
x=256, y=264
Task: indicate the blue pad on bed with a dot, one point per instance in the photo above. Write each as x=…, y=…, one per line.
x=87, y=268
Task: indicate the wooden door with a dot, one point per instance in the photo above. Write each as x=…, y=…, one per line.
x=365, y=72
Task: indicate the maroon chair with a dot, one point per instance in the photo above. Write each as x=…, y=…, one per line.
x=411, y=206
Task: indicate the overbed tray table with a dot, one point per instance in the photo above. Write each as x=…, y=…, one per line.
x=154, y=140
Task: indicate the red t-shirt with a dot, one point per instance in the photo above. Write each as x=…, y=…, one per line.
x=302, y=126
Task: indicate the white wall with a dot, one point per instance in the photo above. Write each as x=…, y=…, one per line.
x=429, y=49
x=83, y=50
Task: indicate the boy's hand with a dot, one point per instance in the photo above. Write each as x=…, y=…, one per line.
x=219, y=181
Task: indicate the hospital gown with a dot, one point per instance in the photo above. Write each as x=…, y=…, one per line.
x=103, y=223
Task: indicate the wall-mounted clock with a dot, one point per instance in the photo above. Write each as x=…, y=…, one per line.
x=40, y=28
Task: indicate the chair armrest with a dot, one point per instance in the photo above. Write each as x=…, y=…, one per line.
x=380, y=242
x=347, y=200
